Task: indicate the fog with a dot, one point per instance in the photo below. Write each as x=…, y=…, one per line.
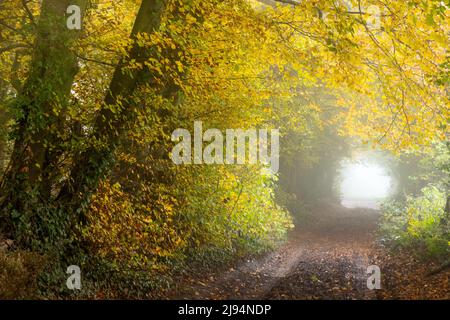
x=364, y=183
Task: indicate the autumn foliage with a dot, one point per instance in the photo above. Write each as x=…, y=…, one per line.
x=86, y=116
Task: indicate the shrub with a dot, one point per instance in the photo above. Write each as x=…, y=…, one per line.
x=209, y=214
x=418, y=222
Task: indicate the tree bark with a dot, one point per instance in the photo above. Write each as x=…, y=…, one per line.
x=95, y=162
x=32, y=144
x=41, y=105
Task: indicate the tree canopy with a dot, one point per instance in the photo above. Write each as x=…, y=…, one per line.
x=86, y=115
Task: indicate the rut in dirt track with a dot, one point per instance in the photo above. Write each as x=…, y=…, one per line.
x=325, y=258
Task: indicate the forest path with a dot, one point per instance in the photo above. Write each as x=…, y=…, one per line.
x=325, y=258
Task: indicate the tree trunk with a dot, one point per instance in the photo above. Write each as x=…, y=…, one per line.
x=95, y=162
x=32, y=156
x=41, y=106
x=4, y=118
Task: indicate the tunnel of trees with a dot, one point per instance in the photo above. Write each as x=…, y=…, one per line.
x=86, y=117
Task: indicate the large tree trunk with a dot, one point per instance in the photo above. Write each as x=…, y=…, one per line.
x=4, y=117
x=95, y=162
x=41, y=106
x=32, y=141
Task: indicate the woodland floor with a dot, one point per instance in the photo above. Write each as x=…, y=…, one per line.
x=325, y=258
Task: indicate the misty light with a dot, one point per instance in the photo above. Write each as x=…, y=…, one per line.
x=364, y=184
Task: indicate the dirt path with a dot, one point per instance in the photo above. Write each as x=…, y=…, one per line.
x=326, y=258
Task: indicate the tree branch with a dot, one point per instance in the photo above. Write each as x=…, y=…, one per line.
x=12, y=47
x=291, y=2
